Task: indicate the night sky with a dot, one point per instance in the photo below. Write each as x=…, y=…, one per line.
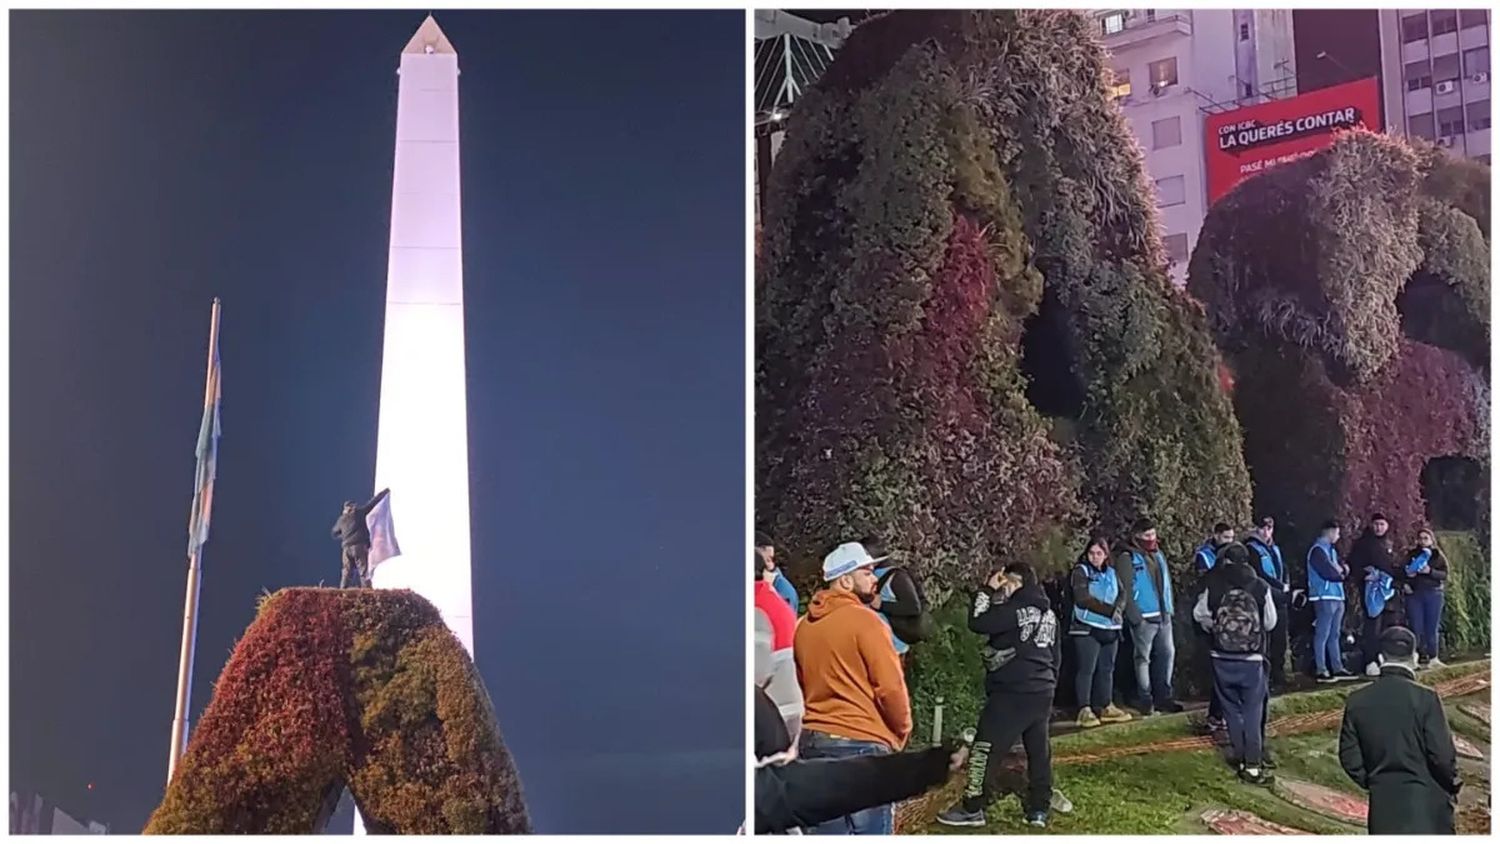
x=161, y=159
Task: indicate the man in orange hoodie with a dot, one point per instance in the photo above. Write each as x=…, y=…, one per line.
x=852, y=683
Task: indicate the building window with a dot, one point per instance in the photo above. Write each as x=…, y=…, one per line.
x=1444, y=21
x=1171, y=191
x=1445, y=68
x=1473, y=17
x=1479, y=115
x=1117, y=81
x=1414, y=28
x=1476, y=61
x=1166, y=133
x=1420, y=126
x=1450, y=121
x=1249, y=90
x=1150, y=16
x=1163, y=73
x=1418, y=76
x=1113, y=23
x=1244, y=32
x=1177, y=247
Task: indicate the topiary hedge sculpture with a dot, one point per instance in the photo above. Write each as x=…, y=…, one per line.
x=1350, y=292
x=328, y=688
x=965, y=331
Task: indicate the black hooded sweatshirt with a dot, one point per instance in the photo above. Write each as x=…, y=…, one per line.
x=1023, y=652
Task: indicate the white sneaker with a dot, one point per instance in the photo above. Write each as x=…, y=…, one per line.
x=1061, y=804
x=1436, y=663
x=1372, y=670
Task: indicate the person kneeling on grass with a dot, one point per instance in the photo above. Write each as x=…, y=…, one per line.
x=1237, y=611
x=1022, y=656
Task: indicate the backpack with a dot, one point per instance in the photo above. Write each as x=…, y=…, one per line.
x=1237, y=624
x=911, y=629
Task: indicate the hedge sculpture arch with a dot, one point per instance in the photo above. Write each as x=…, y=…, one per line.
x=328, y=688
x=1350, y=292
x=954, y=183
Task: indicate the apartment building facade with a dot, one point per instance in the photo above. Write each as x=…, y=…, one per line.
x=1172, y=68
x=1435, y=65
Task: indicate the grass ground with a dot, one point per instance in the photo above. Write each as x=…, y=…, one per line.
x=1167, y=792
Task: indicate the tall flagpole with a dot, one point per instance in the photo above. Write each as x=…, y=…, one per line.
x=195, y=566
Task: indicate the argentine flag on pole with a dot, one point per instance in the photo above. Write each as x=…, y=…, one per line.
x=208, y=457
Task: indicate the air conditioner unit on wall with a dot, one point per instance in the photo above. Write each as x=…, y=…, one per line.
x=1447, y=87
x=1445, y=141
x=1480, y=78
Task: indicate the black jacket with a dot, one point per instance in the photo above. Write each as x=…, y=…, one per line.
x=1023, y=651
x=807, y=792
x=351, y=528
x=1432, y=580
x=1371, y=551
x=1395, y=743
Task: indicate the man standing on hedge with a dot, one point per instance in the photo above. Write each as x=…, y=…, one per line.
x=1143, y=575
x=853, y=688
x=1325, y=589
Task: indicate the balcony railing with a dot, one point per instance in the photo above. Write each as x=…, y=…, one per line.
x=1143, y=26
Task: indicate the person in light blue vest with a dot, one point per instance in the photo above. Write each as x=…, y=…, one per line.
x=767, y=550
x=1147, y=583
x=1325, y=590
x=1207, y=555
x=1269, y=564
x=1094, y=635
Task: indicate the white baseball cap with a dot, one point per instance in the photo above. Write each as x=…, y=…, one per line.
x=846, y=558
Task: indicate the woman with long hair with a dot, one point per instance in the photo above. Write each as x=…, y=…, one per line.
x=1426, y=572
x=1094, y=631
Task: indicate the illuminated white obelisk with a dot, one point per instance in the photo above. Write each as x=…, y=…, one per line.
x=422, y=453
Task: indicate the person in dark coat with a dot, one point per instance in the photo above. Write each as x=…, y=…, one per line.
x=353, y=534
x=792, y=793
x=1426, y=572
x=1022, y=656
x=1395, y=743
x=1373, y=564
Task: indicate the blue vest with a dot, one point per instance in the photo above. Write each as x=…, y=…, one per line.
x=1270, y=559
x=889, y=594
x=1319, y=589
x=1104, y=586
x=786, y=590
x=1417, y=562
x=1205, y=556
x=1378, y=590
x=1144, y=590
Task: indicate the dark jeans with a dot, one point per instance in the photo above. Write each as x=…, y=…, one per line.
x=1328, y=636
x=1425, y=607
x=1006, y=717
x=1241, y=687
x=1276, y=652
x=356, y=565
x=1154, y=655
x=1369, y=639
x=1094, y=661
x=878, y=820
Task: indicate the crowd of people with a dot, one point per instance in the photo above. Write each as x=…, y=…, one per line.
x=835, y=677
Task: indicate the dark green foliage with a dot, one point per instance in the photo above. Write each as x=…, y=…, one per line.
x=330, y=687
x=1350, y=291
x=948, y=167
x=1466, y=600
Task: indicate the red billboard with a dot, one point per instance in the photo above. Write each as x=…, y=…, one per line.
x=1253, y=139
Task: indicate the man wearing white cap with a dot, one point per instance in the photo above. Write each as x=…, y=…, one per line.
x=854, y=689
